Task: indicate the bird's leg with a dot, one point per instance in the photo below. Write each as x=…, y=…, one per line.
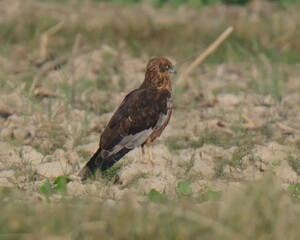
x=148, y=144
x=143, y=155
x=150, y=154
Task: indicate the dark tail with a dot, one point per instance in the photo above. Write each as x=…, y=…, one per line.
x=102, y=164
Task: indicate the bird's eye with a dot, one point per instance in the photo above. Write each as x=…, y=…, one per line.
x=167, y=67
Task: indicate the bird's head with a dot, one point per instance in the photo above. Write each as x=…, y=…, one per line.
x=158, y=73
x=161, y=66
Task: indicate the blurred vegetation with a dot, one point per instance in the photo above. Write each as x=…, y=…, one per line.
x=260, y=210
x=258, y=32
x=199, y=4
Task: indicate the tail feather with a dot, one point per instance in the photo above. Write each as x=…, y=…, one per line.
x=97, y=162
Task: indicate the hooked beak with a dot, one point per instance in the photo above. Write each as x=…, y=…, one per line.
x=172, y=70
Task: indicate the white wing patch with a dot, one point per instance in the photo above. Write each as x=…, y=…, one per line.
x=162, y=117
x=161, y=120
x=135, y=140
x=130, y=141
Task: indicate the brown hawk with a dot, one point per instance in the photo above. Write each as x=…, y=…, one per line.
x=140, y=119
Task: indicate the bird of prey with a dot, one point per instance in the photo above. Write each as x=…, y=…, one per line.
x=140, y=119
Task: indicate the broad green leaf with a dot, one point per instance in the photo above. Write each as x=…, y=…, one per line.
x=156, y=196
x=184, y=188
x=46, y=188
x=294, y=191
x=60, y=184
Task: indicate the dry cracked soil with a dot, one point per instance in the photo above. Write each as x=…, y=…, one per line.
x=222, y=133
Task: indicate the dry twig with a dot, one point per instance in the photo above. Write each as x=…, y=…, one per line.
x=45, y=39
x=203, y=56
x=287, y=128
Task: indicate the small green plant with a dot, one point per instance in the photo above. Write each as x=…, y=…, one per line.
x=190, y=163
x=157, y=197
x=184, y=189
x=112, y=172
x=294, y=162
x=237, y=158
x=266, y=131
x=46, y=188
x=294, y=191
x=219, y=167
x=59, y=186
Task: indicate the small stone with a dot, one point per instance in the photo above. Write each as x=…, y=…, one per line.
x=69, y=143
x=110, y=203
x=76, y=188
x=229, y=99
x=199, y=186
x=114, y=193
x=271, y=155
x=252, y=173
x=29, y=154
x=73, y=158
x=204, y=166
x=88, y=148
x=59, y=153
x=6, y=133
x=21, y=134
x=7, y=174
x=92, y=190
x=159, y=183
x=5, y=110
x=14, y=101
x=8, y=154
x=53, y=169
x=161, y=155
x=286, y=173
x=2, y=121
x=132, y=171
x=5, y=183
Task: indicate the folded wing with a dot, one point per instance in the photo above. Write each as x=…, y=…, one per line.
x=141, y=112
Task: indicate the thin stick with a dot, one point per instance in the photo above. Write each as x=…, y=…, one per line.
x=211, y=48
x=45, y=39
x=75, y=50
x=287, y=128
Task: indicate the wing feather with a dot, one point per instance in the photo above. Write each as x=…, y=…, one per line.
x=134, y=120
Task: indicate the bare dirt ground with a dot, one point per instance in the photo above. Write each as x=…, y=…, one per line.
x=221, y=133
x=233, y=123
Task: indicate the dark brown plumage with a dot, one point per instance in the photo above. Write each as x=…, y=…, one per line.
x=140, y=119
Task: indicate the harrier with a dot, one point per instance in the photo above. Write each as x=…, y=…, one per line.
x=140, y=119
